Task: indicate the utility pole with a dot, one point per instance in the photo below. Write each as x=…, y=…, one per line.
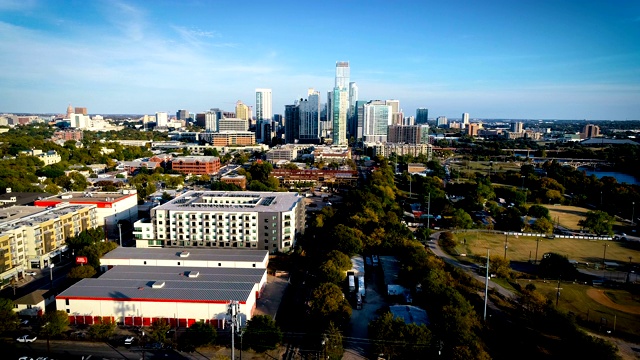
x=120, y=231
x=604, y=255
x=506, y=236
x=233, y=311
x=537, y=244
x=558, y=293
x=429, y=216
x=486, y=288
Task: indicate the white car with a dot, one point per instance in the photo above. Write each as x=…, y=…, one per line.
x=26, y=338
x=32, y=273
x=129, y=340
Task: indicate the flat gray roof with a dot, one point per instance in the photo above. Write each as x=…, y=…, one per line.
x=180, y=273
x=249, y=201
x=186, y=290
x=212, y=254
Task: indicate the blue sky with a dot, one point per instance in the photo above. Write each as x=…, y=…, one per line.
x=493, y=59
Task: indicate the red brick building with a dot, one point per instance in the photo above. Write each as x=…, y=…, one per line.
x=196, y=165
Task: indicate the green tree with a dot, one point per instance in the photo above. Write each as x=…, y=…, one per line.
x=538, y=212
x=598, y=222
x=199, y=334
x=542, y=225
x=102, y=330
x=554, y=265
x=328, y=304
x=55, y=322
x=158, y=330
x=82, y=272
x=8, y=317
x=500, y=266
x=262, y=333
x=346, y=239
x=460, y=219
x=333, y=343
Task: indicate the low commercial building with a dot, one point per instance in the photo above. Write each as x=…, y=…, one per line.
x=196, y=165
x=329, y=154
x=141, y=286
x=387, y=149
x=238, y=180
x=233, y=219
x=287, y=153
x=34, y=303
x=140, y=295
x=111, y=207
x=315, y=176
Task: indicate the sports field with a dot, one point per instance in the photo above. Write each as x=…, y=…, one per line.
x=521, y=248
x=602, y=307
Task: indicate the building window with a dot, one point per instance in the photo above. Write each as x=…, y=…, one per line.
x=66, y=302
x=68, y=311
x=219, y=264
x=254, y=265
x=145, y=263
x=178, y=263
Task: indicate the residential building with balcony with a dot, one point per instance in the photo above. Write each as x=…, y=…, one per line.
x=225, y=219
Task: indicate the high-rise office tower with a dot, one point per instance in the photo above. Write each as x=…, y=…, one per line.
x=516, y=127
x=182, y=115
x=395, y=105
x=441, y=121
x=465, y=119
x=352, y=119
x=161, y=119
x=210, y=121
x=242, y=111
x=81, y=110
x=263, y=104
x=422, y=115
x=340, y=103
x=359, y=119
x=309, y=129
x=292, y=121
x=377, y=118
x=590, y=131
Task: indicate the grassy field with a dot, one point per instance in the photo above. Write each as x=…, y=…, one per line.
x=574, y=298
x=485, y=166
x=519, y=249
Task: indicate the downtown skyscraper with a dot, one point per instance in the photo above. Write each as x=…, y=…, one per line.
x=263, y=104
x=338, y=103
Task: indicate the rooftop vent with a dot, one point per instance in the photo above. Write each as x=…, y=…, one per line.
x=184, y=254
x=157, y=285
x=192, y=274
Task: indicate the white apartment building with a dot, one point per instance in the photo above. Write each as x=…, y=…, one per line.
x=225, y=219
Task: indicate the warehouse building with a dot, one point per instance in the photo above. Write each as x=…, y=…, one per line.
x=183, y=287
x=225, y=219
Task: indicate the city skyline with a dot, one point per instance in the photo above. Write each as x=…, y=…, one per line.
x=546, y=60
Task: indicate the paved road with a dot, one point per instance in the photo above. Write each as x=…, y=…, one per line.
x=472, y=269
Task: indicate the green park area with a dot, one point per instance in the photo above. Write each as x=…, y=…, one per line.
x=475, y=244
x=600, y=308
x=568, y=216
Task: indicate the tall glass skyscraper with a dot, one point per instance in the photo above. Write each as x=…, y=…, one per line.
x=422, y=115
x=340, y=103
x=377, y=118
x=263, y=104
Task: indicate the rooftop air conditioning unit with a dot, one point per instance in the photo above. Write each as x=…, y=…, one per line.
x=157, y=285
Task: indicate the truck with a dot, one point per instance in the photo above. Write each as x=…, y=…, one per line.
x=361, y=290
x=352, y=283
x=358, y=301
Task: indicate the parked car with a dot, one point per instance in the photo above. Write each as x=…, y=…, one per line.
x=31, y=273
x=129, y=340
x=26, y=338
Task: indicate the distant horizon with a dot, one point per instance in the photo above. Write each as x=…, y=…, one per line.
x=430, y=118
x=503, y=59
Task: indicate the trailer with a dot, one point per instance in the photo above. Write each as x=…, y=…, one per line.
x=352, y=283
x=361, y=289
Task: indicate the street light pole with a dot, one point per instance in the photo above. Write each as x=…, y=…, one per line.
x=537, y=244
x=628, y=271
x=633, y=213
x=604, y=255
x=51, y=274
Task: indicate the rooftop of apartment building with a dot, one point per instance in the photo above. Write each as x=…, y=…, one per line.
x=79, y=197
x=233, y=201
x=17, y=216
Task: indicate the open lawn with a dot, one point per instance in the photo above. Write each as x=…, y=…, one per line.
x=568, y=216
x=574, y=298
x=475, y=243
x=485, y=166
